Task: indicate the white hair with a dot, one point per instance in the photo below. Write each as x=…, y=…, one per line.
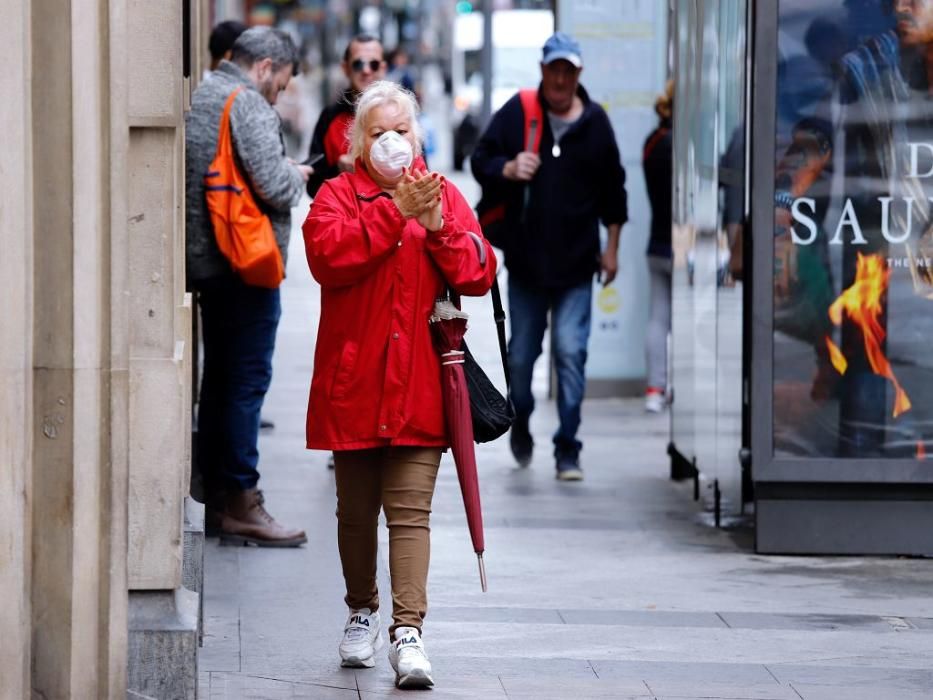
x=380, y=93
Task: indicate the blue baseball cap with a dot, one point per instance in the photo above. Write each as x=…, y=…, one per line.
x=562, y=46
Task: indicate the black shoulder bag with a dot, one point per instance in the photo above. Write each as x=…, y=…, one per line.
x=492, y=412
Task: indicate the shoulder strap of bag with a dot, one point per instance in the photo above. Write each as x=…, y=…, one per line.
x=498, y=314
x=533, y=114
x=224, y=136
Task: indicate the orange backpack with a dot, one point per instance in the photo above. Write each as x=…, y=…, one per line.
x=244, y=234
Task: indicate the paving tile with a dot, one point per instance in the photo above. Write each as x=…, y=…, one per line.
x=905, y=679
x=726, y=691
x=235, y=686
x=921, y=623
x=733, y=675
x=547, y=686
x=496, y=614
x=850, y=692
x=641, y=618
x=814, y=621
x=221, y=646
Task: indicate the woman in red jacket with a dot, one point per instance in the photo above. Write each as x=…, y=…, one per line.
x=384, y=242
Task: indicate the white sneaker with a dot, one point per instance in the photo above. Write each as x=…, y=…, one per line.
x=654, y=402
x=361, y=638
x=407, y=656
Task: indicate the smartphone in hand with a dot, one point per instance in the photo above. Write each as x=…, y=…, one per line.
x=312, y=159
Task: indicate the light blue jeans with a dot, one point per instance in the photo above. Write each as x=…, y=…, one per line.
x=570, y=314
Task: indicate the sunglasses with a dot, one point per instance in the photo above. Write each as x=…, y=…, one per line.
x=359, y=64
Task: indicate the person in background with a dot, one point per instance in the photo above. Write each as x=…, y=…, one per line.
x=363, y=64
x=384, y=241
x=400, y=70
x=657, y=163
x=554, y=202
x=239, y=321
x=220, y=44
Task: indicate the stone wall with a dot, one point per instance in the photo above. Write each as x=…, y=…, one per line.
x=94, y=380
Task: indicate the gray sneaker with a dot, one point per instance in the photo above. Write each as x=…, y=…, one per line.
x=568, y=468
x=361, y=639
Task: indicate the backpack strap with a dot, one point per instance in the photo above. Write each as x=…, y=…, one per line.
x=224, y=136
x=533, y=113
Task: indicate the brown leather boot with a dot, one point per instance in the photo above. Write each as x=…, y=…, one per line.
x=245, y=521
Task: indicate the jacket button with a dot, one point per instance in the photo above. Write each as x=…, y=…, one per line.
x=399, y=244
x=382, y=427
x=395, y=336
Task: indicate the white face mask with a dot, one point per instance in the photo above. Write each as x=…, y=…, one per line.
x=390, y=153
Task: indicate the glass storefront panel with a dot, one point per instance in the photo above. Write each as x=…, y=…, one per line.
x=730, y=246
x=853, y=229
x=709, y=217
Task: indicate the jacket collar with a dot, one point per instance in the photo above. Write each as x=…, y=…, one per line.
x=581, y=93
x=233, y=72
x=346, y=103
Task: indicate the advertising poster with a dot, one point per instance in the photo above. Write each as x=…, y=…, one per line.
x=853, y=232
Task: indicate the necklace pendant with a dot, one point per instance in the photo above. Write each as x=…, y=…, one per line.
x=555, y=150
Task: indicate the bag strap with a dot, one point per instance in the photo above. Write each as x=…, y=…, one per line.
x=224, y=136
x=498, y=313
x=531, y=108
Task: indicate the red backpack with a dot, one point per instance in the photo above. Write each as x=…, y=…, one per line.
x=491, y=208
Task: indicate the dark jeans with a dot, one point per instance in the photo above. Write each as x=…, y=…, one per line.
x=238, y=324
x=570, y=315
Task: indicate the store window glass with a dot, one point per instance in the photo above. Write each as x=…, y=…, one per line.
x=709, y=217
x=853, y=233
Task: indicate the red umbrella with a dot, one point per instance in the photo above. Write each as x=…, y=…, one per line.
x=448, y=325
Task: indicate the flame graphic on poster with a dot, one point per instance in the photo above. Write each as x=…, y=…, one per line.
x=862, y=304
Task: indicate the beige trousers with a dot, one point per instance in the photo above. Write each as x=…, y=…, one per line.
x=401, y=481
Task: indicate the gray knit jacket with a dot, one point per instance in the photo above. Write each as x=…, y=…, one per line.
x=277, y=185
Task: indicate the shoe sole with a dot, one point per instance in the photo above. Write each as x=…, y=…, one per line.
x=416, y=679
x=356, y=662
x=361, y=662
x=244, y=541
x=570, y=475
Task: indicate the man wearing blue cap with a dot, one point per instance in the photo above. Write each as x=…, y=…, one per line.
x=554, y=199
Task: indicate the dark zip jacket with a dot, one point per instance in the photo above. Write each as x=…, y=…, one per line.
x=330, y=138
x=553, y=242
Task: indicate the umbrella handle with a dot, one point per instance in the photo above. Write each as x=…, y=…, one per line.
x=482, y=571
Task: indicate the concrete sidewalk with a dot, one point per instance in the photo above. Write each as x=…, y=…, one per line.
x=611, y=588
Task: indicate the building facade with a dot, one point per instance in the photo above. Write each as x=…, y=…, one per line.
x=95, y=351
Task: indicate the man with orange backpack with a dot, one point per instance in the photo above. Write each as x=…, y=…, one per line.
x=239, y=311
x=548, y=181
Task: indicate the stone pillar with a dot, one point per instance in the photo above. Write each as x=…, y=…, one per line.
x=63, y=120
x=163, y=615
x=93, y=377
x=15, y=351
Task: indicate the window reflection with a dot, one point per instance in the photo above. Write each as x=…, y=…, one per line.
x=853, y=244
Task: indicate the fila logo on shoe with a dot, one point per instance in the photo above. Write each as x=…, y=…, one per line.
x=410, y=640
x=358, y=620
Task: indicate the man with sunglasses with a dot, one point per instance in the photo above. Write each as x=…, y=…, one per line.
x=363, y=63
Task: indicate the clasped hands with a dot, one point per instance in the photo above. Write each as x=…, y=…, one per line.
x=418, y=195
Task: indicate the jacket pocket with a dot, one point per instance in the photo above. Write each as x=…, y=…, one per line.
x=344, y=372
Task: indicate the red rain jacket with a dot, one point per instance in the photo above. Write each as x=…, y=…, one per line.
x=377, y=376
